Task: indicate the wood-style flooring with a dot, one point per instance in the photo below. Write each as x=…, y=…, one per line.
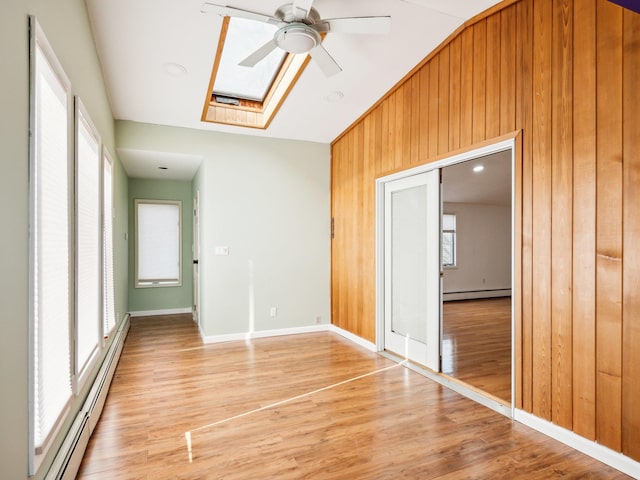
x=476, y=347
x=312, y=406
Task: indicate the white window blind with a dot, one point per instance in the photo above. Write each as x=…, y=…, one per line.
x=108, y=291
x=88, y=241
x=158, y=243
x=50, y=242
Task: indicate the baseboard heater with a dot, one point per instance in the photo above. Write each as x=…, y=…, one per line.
x=473, y=294
x=67, y=462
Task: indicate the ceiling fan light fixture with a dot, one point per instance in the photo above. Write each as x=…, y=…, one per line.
x=297, y=38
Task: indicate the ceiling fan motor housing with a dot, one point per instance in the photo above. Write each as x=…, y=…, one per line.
x=297, y=38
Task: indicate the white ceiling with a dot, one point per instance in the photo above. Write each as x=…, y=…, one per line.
x=137, y=39
x=491, y=186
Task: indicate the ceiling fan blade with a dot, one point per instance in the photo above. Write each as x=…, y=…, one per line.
x=301, y=8
x=259, y=54
x=365, y=25
x=224, y=11
x=325, y=61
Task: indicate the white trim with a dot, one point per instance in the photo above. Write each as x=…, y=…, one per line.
x=234, y=337
x=599, y=452
x=354, y=338
x=169, y=311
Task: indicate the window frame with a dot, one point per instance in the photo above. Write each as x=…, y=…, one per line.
x=157, y=283
x=249, y=113
x=108, y=217
x=454, y=234
x=81, y=371
x=38, y=42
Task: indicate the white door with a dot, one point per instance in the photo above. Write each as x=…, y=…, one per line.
x=196, y=258
x=412, y=268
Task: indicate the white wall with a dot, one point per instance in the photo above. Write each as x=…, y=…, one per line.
x=268, y=201
x=483, y=234
x=66, y=25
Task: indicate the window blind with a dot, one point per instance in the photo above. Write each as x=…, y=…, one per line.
x=158, y=242
x=108, y=292
x=88, y=241
x=51, y=259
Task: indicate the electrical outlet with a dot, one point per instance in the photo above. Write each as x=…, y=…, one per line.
x=273, y=311
x=318, y=320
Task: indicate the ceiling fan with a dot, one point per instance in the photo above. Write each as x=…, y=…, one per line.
x=299, y=30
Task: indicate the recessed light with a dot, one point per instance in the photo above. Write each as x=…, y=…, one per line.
x=174, y=69
x=478, y=168
x=334, y=96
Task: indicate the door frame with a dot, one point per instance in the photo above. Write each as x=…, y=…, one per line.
x=510, y=142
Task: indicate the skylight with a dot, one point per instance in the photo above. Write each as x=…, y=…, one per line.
x=249, y=83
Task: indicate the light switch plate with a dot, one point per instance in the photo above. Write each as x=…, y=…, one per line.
x=222, y=250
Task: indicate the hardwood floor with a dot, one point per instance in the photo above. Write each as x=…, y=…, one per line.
x=477, y=344
x=309, y=406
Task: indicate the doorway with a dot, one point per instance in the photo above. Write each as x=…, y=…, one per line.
x=476, y=273
x=419, y=255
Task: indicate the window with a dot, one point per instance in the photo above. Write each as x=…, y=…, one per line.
x=66, y=323
x=448, y=240
x=243, y=37
x=108, y=291
x=249, y=96
x=88, y=242
x=50, y=242
x=158, y=243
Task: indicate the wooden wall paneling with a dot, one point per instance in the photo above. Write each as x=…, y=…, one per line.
x=443, y=101
x=455, y=62
x=393, y=130
x=562, y=215
x=424, y=113
x=508, y=51
x=631, y=220
x=337, y=179
x=357, y=240
x=466, y=87
x=415, y=119
x=584, y=220
x=369, y=231
x=541, y=375
x=479, y=81
x=434, y=81
x=492, y=119
x=406, y=122
x=609, y=225
x=400, y=126
x=524, y=120
x=346, y=238
x=387, y=160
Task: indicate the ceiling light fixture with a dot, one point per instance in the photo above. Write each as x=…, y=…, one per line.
x=334, y=96
x=297, y=38
x=478, y=168
x=174, y=69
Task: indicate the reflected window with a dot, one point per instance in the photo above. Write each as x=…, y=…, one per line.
x=448, y=240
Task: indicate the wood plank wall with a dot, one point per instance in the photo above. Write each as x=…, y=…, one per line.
x=565, y=74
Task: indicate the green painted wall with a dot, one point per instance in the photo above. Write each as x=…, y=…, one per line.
x=66, y=25
x=162, y=298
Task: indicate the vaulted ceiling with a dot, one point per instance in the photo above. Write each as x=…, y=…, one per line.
x=157, y=57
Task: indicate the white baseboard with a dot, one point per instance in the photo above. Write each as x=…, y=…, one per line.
x=504, y=292
x=169, y=311
x=234, y=337
x=354, y=338
x=599, y=452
